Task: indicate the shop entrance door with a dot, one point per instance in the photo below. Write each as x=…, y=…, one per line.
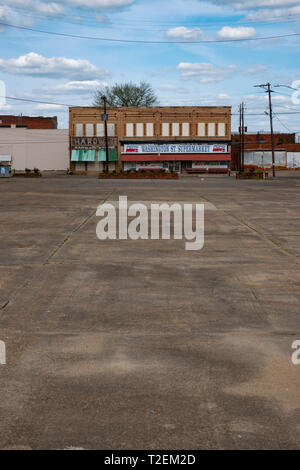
x=184, y=165
x=177, y=167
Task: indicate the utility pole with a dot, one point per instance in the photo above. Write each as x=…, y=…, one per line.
x=267, y=88
x=104, y=117
x=240, y=146
x=242, y=137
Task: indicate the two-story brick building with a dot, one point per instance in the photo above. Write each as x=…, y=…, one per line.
x=191, y=139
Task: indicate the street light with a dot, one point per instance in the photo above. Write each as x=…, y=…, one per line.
x=286, y=86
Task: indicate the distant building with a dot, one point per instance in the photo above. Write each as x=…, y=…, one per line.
x=182, y=139
x=258, y=150
x=29, y=122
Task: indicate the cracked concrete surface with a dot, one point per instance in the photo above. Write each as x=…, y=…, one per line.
x=141, y=344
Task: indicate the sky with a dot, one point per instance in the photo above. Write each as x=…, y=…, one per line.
x=188, y=60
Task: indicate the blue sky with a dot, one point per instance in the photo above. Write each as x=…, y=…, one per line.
x=66, y=70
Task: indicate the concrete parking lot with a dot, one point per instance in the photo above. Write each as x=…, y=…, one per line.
x=126, y=344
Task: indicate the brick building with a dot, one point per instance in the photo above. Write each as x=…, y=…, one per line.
x=29, y=122
x=258, y=150
x=191, y=139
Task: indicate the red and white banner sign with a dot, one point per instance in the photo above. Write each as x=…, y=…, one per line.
x=175, y=148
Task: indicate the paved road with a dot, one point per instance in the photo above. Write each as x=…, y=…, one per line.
x=141, y=344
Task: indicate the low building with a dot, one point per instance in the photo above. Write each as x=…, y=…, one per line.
x=258, y=151
x=47, y=150
x=30, y=122
x=181, y=139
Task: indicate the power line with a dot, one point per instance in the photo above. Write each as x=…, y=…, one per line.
x=36, y=101
x=283, y=124
x=136, y=41
x=91, y=22
x=76, y=105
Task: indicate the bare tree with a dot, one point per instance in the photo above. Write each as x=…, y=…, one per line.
x=126, y=95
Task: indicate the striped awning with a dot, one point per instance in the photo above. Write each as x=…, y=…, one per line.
x=112, y=155
x=83, y=155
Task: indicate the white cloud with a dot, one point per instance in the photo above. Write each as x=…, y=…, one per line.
x=50, y=9
x=204, y=72
x=39, y=6
x=75, y=87
x=265, y=14
x=36, y=65
x=168, y=88
x=98, y=4
x=281, y=99
x=183, y=33
x=240, y=32
x=254, y=4
x=46, y=107
x=255, y=97
x=266, y=10
x=4, y=14
x=101, y=18
x=223, y=96
x=57, y=8
x=255, y=69
x=5, y=107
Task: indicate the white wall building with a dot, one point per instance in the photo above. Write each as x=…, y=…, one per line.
x=45, y=149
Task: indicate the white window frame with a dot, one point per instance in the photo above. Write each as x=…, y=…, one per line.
x=221, y=129
x=89, y=129
x=111, y=129
x=150, y=129
x=79, y=129
x=139, y=129
x=129, y=129
x=100, y=129
x=211, y=129
x=185, y=129
x=165, y=129
x=175, y=129
x=201, y=129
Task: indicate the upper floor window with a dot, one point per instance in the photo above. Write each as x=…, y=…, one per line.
x=79, y=130
x=165, y=129
x=201, y=129
x=175, y=129
x=89, y=130
x=211, y=129
x=185, y=129
x=139, y=129
x=149, y=129
x=129, y=129
x=100, y=129
x=110, y=129
x=221, y=129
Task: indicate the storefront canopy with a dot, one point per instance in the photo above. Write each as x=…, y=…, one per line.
x=112, y=155
x=83, y=155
